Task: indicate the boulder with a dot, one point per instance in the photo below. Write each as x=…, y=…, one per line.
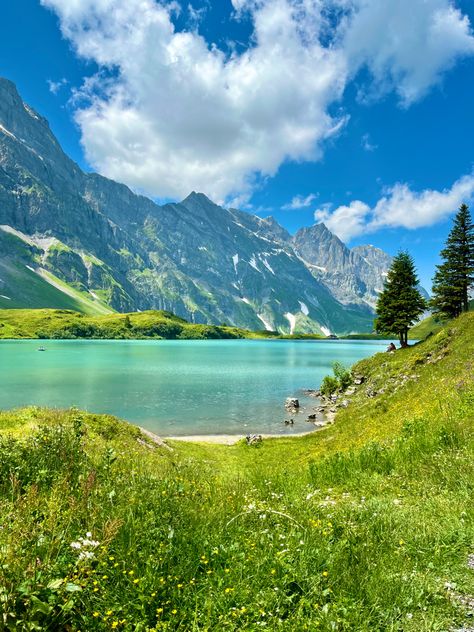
x=292, y=402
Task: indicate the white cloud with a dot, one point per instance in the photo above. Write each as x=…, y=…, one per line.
x=169, y=112
x=406, y=44
x=300, y=201
x=181, y=115
x=55, y=86
x=367, y=144
x=399, y=207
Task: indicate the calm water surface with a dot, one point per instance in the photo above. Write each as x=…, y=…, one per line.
x=175, y=387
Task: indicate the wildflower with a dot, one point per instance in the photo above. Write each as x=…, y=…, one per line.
x=108, y=613
x=325, y=573
x=159, y=610
x=135, y=581
x=95, y=614
x=75, y=545
x=174, y=611
x=228, y=590
x=115, y=624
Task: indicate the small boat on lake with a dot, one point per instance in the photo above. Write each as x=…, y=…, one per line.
x=41, y=349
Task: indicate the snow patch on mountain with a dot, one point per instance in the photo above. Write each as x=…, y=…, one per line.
x=292, y=320
x=304, y=308
x=235, y=259
x=253, y=263
x=267, y=265
x=267, y=325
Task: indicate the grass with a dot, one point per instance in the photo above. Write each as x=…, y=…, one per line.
x=365, y=525
x=64, y=323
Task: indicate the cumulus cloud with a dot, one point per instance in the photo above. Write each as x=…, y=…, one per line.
x=300, y=201
x=407, y=44
x=169, y=112
x=179, y=114
x=399, y=207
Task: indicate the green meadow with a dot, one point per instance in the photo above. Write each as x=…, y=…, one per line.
x=365, y=525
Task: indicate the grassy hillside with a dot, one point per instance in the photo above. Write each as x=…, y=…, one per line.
x=429, y=325
x=25, y=284
x=366, y=525
x=48, y=323
x=51, y=323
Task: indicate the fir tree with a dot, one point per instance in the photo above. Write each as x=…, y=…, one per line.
x=455, y=275
x=400, y=303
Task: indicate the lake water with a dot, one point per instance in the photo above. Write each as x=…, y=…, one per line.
x=176, y=387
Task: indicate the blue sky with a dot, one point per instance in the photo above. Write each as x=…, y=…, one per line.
x=360, y=113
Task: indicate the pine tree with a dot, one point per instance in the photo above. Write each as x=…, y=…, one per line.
x=455, y=275
x=400, y=303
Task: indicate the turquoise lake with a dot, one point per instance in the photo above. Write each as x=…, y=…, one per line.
x=176, y=387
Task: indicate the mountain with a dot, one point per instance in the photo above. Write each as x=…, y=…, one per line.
x=353, y=276
x=80, y=240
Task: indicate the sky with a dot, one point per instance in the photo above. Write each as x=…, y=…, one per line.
x=357, y=113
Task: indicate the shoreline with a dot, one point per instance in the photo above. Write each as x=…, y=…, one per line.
x=232, y=439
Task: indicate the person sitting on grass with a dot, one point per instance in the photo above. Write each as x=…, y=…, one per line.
x=391, y=347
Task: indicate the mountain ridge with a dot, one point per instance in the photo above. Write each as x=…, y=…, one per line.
x=204, y=262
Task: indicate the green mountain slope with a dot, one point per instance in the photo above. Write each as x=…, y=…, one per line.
x=24, y=282
x=366, y=525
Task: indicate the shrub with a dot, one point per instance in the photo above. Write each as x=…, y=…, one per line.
x=341, y=380
x=329, y=385
x=343, y=375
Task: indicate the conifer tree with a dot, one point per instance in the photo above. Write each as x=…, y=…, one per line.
x=400, y=303
x=455, y=275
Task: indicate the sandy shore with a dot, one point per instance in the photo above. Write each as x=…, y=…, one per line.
x=233, y=439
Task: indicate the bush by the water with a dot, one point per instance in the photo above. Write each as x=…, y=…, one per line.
x=341, y=380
